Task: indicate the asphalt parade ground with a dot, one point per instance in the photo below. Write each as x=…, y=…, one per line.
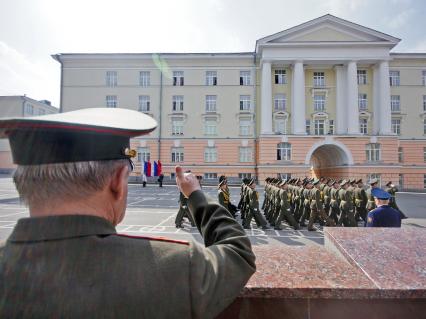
x=151, y=211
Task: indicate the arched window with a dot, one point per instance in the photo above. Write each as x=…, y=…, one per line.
x=372, y=151
x=283, y=151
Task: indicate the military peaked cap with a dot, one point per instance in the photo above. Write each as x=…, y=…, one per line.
x=380, y=193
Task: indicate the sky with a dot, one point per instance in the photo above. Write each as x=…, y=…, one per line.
x=32, y=30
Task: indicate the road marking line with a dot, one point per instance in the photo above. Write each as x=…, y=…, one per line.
x=1, y=216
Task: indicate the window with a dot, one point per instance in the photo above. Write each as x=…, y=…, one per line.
x=400, y=155
x=395, y=103
x=424, y=154
x=245, y=127
x=177, y=154
x=283, y=151
x=177, y=104
x=246, y=154
x=245, y=78
x=363, y=127
x=372, y=151
x=308, y=127
x=394, y=78
x=331, y=127
x=144, y=78
x=177, y=127
x=111, y=101
x=144, y=154
x=362, y=77
x=319, y=103
x=280, y=77
x=283, y=176
x=178, y=78
x=111, y=78
x=244, y=102
x=210, y=127
x=211, y=78
x=244, y=175
x=375, y=176
x=401, y=181
x=396, y=126
x=362, y=102
x=424, y=78
x=280, y=126
x=279, y=102
x=424, y=103
x=29, y=109
x=210, y=103
x=41, y=112
x=144, y=103
x=424, y=180
x=319, y=127
x=210, y=154
x=210, y=175
x=424, y=126
x=319, y=79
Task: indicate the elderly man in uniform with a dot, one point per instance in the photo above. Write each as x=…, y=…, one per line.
x=370, y=199
x=67, y=261
x=384, y=215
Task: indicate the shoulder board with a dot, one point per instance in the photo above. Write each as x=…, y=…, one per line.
x=163, y=239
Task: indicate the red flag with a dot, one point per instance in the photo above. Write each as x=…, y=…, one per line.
x=148, y=169
x=159, y=169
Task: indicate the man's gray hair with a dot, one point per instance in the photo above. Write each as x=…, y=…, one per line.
x=40, y=184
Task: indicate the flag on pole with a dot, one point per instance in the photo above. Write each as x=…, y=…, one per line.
x=159, y=168
x=145, y=168
x=155, y=169
x=148, y=169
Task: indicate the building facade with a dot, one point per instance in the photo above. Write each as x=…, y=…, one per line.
x=19, y=106
x=325, y=98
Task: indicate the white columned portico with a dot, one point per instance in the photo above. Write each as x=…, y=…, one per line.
x=298, y=120
x=352, y=113
x=384, y=96
x=340, y=100
x=266, y=99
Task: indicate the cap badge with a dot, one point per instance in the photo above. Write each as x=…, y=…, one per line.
x=130, y=152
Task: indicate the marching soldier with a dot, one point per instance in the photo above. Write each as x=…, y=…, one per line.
x=223, y=197
x=346, y=208
x=360, y=201
x=392, y=190
x=284, y=209
x=326, y=194
x=334, y=201
x=317, y=208
x=254, y=208
x=183, y=212
x=370, y=198
x=306, y=202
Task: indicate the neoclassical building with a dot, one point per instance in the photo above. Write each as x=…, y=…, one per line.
x=327, y=97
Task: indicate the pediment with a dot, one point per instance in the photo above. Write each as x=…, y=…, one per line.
x=328, y=28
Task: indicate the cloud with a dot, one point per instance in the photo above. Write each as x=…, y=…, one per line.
x=400, y=19
x=19, y=75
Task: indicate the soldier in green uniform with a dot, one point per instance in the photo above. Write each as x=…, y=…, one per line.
x=392, y=190
x=370, y=198
x=67, y=261
x=326, y=195
x=298, y=199
x=347, y=217
x=360, y=201
x=317, y=207
x=183, y=212
x=306, y=202
x=334, y=201
x=285, y=209
x=223, y=196
x=254, y=208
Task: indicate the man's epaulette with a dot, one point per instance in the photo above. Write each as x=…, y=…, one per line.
x=164, y=239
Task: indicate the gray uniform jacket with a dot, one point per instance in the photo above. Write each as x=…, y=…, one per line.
x=78, y=267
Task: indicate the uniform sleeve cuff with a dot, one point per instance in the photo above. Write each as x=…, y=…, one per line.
x=196, y=200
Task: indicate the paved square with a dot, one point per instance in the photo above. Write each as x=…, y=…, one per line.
x=151, y=211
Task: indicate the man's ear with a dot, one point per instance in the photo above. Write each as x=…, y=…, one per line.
x=118, y=182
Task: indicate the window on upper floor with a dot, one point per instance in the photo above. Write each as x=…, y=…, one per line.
x=177, y=127
x=319, y=127
x=280, y=77
x=281, y=126
x=246, y=154
x=362, y=102
x=394, y=78
x=319, y=102
x=177, y=103
x=330, y=127
x=245, y=127
x=424, y=126
x=424, y=154
x=177, y=154
x=245, y=103
x=210, y=154
x=395, y=103
x=144, y=103
x=144, y=154
x=111, y=101
x=319, y=79
x=280, y=102
x=363, y=126
x=211, y=78
x=424, y=78
x=362, y=77
x=373, y=152
x=211, y=103
x=178, y=79
x=308, y=127
x=111, y=78
x=144, y=78
x=424, y=103
x=245, y=77
x=210, y=127
x=396, y=126
x=283, y=151
x=400, y=155
x=29, y=109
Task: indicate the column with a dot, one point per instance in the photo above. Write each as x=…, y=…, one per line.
x=298, y=121
x=266, y=99
x=384, y=96
x=352, y=113
x=340, y=121
x=376, y=101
